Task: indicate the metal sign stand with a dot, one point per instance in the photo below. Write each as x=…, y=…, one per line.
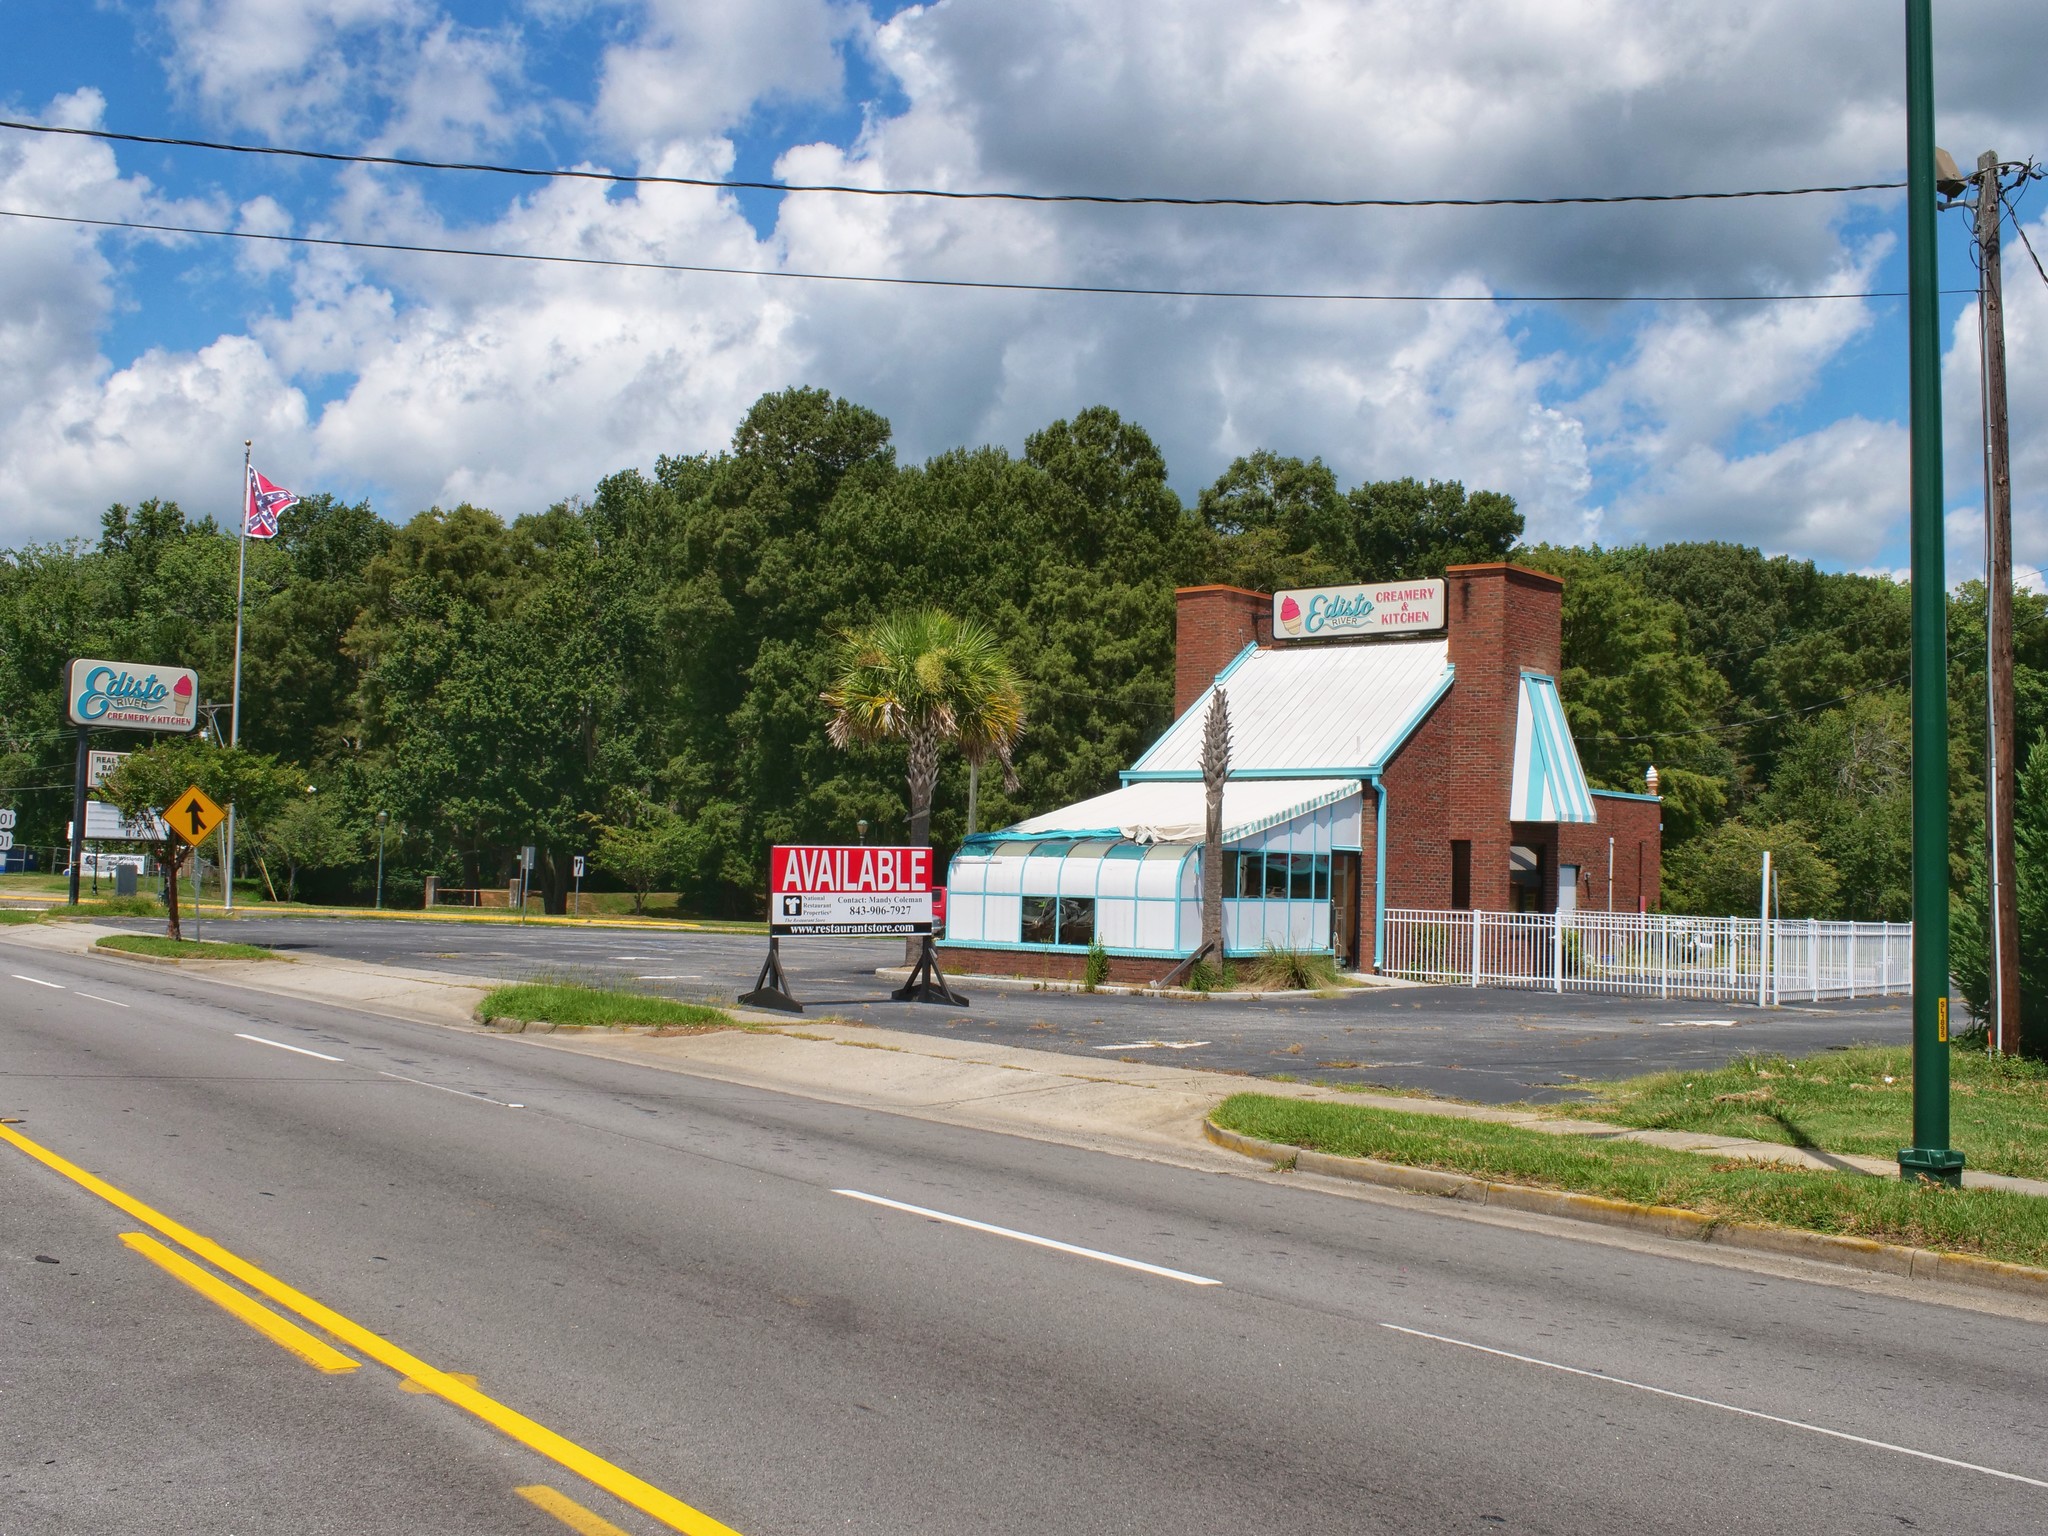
x=771, y=987
x=927, y=983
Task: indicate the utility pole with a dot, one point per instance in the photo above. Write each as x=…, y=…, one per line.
x=1999, y=767
x=1930, y=1157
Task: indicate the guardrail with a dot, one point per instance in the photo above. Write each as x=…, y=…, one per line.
x=1737, y=959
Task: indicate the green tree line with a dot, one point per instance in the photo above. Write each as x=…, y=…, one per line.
x=638, y=675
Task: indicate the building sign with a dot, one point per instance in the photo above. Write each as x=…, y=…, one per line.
x=98, y=765
x=105, y=824
x=1386, y=608
x=849, y=890
x=131, y=695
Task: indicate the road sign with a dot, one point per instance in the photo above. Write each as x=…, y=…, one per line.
x=576, y=866
x=6, y=818
x=192, y=816
x=98, y=765
x=6, y=841
x=528, y=857
x=849, y=890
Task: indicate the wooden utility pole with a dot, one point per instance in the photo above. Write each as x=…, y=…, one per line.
x=2000, y=767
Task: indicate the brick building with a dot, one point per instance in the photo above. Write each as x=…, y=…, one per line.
x=1398, y=746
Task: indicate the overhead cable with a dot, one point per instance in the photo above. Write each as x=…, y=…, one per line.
x=953, y=282
x=737, y=184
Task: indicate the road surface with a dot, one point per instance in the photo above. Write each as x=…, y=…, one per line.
x=1488, y=1044
x=793, y=1317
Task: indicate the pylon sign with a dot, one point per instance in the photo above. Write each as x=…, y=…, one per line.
x=193, y=816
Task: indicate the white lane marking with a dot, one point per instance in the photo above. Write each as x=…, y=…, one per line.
x=692, y=976
x=1026, y=1237
x=463, y=1093
x=1696, y=1024
x=279, y=1045
x=33, y=981
x=1148, y=1045
x=1708, y=1402
x=98, y=999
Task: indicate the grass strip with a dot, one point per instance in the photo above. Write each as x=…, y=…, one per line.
x=183, y=949
x=596, y=1008
x=1856, y=1100
x=113, y=906
x=15, y=917
x=1994, y=1223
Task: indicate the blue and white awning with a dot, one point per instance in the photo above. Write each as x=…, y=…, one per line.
x=1549, y=783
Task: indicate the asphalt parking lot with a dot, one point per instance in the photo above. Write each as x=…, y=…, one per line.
x=1491, y=1045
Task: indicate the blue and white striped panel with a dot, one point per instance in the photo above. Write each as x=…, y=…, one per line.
x=1549, y=783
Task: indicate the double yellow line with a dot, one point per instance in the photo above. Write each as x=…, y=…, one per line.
x=615, y=1480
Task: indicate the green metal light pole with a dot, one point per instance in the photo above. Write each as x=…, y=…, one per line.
x=1930, y=1156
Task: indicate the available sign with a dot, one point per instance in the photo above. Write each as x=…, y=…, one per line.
x=816, y=889
x=1388, y=608
x=131, y=695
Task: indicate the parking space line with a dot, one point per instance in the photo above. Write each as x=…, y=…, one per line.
x=111, y=1001
x=1708, y=1402
x=1031, y=1238
x=565, y=1509
x=280, y=1331
x=594, y=1469
x=279, y=1045
x=35, y=981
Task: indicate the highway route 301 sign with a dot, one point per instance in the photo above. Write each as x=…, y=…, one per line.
x=192, y=815
x=814, y=889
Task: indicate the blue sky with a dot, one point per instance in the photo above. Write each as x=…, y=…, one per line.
x=136, y=365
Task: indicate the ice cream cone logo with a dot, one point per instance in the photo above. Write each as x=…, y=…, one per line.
x=1290, y=615
x=181, y=697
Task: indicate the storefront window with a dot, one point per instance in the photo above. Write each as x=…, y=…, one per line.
x=1277, y=877
x=1058, y=920
x=1302, y=881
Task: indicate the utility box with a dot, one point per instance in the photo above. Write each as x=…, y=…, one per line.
x=124, y=879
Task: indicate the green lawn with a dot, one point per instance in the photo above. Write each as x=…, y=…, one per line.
x=596, y=1007
x=11, y=916
x=1857, y=1100
x=1990, y=1222
x=183, y=949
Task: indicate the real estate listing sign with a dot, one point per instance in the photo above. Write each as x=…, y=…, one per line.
x=1387, y=608
x=131, y=695
x=823, y=889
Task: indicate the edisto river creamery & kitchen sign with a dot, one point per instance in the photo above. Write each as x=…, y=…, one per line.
x=1388, y=608
x=823, y=889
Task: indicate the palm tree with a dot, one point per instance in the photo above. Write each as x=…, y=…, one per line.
x=926, y=678
x=1215, y=773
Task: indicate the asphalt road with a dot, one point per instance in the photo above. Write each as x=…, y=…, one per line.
x=1491, y=1045
x=696, y=1281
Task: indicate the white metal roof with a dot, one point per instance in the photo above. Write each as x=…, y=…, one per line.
x=1175, y=810
x=1301, y=710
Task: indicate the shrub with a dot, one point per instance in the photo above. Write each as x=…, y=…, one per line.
x=1098, y=967
x=1294, y=970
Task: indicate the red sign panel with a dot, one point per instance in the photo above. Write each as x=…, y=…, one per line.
x=827, y=889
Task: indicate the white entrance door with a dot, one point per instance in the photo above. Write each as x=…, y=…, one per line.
x=1567, y=887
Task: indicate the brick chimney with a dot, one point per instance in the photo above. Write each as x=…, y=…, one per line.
x=1502, y=618
x=1211, y=625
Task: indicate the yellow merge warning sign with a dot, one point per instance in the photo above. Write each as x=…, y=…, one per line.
x=192, y=815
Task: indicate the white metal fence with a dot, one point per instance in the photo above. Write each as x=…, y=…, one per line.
x=1738, y=959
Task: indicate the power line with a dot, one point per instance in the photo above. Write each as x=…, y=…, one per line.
x=958, y=282
x=719, y=183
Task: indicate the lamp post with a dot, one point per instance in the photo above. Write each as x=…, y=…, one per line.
x=863, y=827
x=382, y=818
x=1930, y=1156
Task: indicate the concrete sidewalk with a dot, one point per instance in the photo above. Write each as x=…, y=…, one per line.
x=1126, y=1107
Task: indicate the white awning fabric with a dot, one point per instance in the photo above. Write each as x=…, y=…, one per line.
x=1549, y=783
x=1175, y=810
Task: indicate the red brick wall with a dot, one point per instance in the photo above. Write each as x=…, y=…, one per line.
x=1046, y=965
x=1502, y=618
x=1635, y=826
x=1211, y=625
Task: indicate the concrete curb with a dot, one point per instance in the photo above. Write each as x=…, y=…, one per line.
x=1660, y=1220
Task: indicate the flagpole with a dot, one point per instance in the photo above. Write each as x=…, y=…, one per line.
x=235, y=707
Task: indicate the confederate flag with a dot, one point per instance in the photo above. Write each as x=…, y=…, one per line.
x=264, y=503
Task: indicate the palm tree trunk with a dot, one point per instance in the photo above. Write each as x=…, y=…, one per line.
x=172, y=930
x=924, y=781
